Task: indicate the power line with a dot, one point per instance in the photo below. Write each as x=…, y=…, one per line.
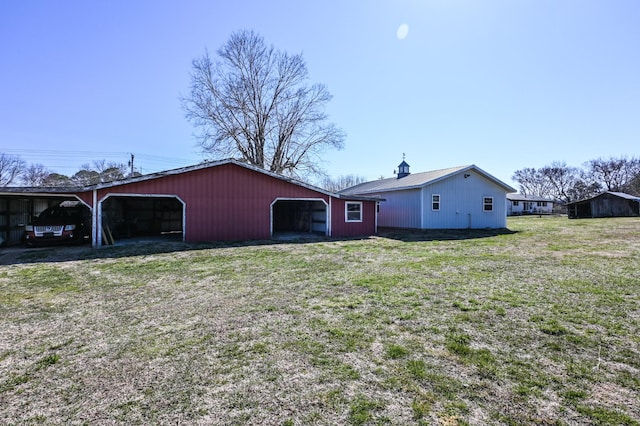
x=147, y=162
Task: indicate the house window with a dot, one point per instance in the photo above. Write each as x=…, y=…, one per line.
x=487, y=203
x=353, y=211
x=516, y=203
x=435, y=202
x=542, y=204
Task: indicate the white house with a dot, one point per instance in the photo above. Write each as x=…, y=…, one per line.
x=518, y=204
x=455, y=198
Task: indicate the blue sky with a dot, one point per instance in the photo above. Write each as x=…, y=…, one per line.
x=503, y=84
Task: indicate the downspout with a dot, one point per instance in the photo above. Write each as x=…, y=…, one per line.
x=422, y=224
x=184, y=220
x=329, y=217
x=99, y=225
x=376, y=207
x=94, y=219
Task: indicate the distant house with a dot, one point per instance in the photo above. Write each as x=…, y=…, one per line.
x=214, y=201
x=606, y=204
x=519, y=204
x=454, y=198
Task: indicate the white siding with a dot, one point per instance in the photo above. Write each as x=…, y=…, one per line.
x=400, y=210
x=461, y=203
x=514, y=210
x=533, y=208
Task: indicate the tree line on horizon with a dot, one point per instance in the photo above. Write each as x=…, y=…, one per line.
x=15, y=171
x=565, y=183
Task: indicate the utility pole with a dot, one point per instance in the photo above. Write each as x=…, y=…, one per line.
x=131, y=165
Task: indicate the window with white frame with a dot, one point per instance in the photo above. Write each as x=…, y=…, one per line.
x=487, y=204
x=353, y=211
x=435, y=202
x=516, y=203
x=542, y=204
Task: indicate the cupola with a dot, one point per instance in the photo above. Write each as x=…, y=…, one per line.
x=403, y=169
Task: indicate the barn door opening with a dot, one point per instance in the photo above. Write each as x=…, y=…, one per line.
x=298, y=217
x=18, y=211
x=141, y=218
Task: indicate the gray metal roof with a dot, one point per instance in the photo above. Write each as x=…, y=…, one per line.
x=624, y=195
x=522, y=197
x=418, y=180
x=45, y=190
x=207, y=164
x=203, y=165
x=617, y=194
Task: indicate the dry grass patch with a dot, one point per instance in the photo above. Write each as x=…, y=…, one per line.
x=535, y=326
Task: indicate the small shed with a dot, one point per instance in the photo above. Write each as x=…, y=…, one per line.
x=606, y=204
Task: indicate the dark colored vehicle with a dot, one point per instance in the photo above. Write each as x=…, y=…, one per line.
x=67, y=222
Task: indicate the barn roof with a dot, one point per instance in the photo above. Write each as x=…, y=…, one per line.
x=210, y=164
x=623, y=195
x=615, y=194
x=40, y=190
x=419, y=180
x=173, y=172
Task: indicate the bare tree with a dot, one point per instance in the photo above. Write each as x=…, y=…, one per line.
x=583, y=189
x=254, y=102
x=633, y=187
x=532, y=182
x=561, y=179
x=613, y=174
x=34, y=175
x=11, y=166
x=341, y=182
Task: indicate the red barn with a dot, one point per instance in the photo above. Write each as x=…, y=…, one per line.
x=221, y=201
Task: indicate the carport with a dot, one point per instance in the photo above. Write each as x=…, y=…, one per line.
x=18, y=207
x=299, y=216
x=136, y=217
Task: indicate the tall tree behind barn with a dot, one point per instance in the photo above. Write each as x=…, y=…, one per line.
x=254, y=104
x=11, y=166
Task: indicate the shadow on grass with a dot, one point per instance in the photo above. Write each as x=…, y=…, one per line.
x=52, y=254
x=61, y=253
x=417, y=235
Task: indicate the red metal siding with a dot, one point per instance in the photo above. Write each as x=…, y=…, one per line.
x=226, y=202
x=87, y=197
x=231, y=202
x=342, y=228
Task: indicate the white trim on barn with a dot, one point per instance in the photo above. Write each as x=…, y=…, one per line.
x=327, y=215
x=98, y=223
x=359, y=211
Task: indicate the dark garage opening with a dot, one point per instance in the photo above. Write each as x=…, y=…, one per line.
x=17, y=211
x=136, y=217
x=300, y=217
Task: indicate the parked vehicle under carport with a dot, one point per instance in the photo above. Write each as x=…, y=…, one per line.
x=65, y=223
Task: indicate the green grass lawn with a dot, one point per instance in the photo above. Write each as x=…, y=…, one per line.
x=540, y=325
